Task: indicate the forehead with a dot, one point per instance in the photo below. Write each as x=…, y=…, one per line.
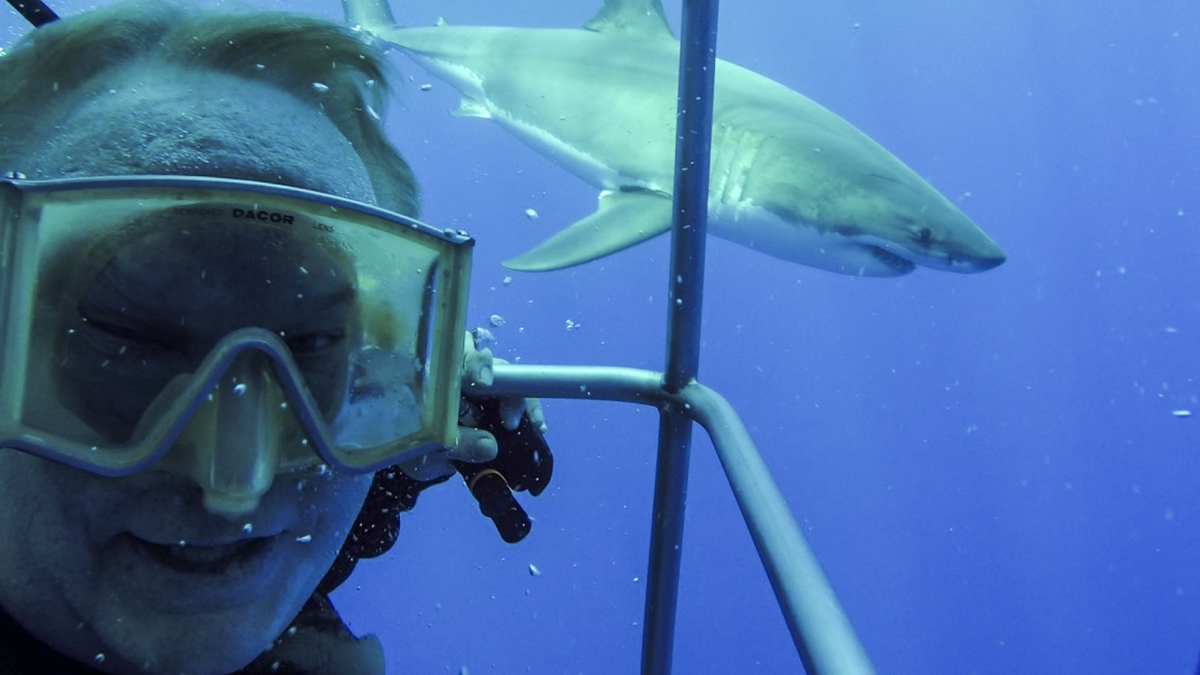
x=152, y=120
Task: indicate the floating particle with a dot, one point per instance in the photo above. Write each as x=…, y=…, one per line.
x=531, y=214
x=239, y=389
x=507, y=281
x=304, y=539
x=320, y=87
x=534, y=571
x=1181, y=413
x=496, y=320
x=571, y=325
x=425, y=87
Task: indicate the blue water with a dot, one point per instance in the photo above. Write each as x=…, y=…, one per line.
x=988, y=466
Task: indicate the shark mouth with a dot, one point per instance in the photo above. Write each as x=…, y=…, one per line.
x=897, y=263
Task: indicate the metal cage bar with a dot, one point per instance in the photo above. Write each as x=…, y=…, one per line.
x=823, y=636
x=689, y=228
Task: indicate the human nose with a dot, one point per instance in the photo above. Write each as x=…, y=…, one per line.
x=233, y=445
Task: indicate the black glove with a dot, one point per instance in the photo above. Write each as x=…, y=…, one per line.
x=523, y=463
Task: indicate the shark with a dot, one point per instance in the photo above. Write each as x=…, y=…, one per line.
x=788, y=177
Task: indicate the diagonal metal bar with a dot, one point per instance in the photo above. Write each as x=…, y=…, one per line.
x=824, y=637
x=35, y=12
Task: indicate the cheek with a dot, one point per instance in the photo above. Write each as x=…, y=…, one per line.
x=48, y=556
x=333, y=503
x=44, y=509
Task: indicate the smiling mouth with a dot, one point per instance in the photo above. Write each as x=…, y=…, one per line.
x=207, y=560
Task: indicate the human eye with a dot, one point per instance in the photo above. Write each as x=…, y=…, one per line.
x=120, y=334
x=312, y=343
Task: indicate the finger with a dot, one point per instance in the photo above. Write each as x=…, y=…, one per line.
x=430, y=466
x=511, y=410
x=475, y=446
x=533, y=408
x=477, y=369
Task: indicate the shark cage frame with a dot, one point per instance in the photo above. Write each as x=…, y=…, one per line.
x=824, y=638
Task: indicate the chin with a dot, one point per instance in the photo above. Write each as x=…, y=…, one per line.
x=160, y=614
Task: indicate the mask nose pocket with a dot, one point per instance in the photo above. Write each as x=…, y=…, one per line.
x=233, y=445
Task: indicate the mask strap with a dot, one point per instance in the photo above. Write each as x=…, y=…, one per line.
x=35, y=12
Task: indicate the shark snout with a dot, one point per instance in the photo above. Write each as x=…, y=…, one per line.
x=982, y=255
x=986, y=263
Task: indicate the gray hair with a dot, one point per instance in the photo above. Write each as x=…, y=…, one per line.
x=288, y=51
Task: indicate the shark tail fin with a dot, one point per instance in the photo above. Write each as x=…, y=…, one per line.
x=642, y=18
x=623, y=219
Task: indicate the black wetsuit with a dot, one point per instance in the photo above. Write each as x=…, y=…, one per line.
x=321, y=644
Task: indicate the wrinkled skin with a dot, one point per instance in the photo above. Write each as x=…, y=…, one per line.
x=83, y=566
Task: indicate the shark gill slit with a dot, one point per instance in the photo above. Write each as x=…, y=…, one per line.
x=735, y=155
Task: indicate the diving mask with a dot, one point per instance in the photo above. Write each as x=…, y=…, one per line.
x=226, y=330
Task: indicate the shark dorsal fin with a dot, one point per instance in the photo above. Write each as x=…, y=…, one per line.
x=642, y=18
x=368, y=15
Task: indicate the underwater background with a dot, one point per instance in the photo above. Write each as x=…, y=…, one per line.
x=997, y=471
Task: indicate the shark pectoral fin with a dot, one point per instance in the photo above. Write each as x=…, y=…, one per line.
x=623, y=220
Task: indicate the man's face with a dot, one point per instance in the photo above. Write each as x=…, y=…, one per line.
x=93, y=565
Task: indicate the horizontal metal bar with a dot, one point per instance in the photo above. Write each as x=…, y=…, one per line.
x=820, y=629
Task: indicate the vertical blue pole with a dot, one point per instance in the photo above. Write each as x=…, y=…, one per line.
x=698, y=38
x=692, y=141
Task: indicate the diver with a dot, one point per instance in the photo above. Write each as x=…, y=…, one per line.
x=231, y=358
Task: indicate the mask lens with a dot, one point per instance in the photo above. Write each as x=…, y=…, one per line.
x=132, y=291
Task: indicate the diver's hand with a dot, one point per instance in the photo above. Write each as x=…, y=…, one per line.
x=475, y=446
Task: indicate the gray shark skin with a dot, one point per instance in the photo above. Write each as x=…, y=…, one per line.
x=788, y=177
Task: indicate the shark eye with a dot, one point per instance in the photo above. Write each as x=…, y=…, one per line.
x=922, y=235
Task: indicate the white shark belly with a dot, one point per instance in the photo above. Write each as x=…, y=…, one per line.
x=801, y=242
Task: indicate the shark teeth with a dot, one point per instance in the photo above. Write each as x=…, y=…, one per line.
x=898, y=263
